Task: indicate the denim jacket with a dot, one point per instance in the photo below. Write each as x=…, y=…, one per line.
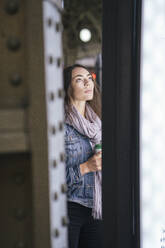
x=78, y=150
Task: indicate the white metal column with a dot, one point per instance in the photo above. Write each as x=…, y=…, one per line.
x=152, y=131
x=55, y=117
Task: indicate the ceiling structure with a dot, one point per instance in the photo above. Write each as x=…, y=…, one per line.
x=78, y=14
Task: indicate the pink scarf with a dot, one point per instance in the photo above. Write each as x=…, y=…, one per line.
x=91, y=127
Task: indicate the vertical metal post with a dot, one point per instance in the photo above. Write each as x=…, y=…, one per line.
x=120, y=123
x=44, y=75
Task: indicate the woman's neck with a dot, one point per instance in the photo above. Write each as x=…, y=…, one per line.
x=80, y=106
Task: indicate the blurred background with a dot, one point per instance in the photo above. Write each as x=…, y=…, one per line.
x=82, y=34
x=37, y=40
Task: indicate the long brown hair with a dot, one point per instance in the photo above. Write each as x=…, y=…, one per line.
x=95, y=103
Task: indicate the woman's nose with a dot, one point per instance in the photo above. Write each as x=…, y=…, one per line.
x=86, y=81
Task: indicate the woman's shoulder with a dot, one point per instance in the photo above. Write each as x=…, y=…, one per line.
x=69, y=129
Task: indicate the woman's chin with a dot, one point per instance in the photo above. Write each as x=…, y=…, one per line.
x=89, y=98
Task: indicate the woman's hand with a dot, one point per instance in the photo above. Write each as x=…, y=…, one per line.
x=92, y=164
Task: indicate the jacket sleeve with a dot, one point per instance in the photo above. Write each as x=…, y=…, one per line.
x=73, y=174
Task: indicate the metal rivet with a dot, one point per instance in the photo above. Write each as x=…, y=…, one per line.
x=20, y=214
x=49, y=22
x=55, y=196
x=53, y=130
x=12, y=7
x=13, y=44
x=59, y=61
x=54, y=163
x=61, y=93
x=50, y=59
x=58, y=26
x=62, y=157
x=63, y=188
x=61, y=125
x=20, y=245
x=56, y=233
x=52, y=96
x=16, y=79
x=64, y=221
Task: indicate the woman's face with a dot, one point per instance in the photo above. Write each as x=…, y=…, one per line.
x=82, y=85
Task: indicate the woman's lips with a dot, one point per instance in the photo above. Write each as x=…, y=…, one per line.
x=88, y=91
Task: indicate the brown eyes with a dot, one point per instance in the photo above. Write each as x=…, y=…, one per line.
x=79, y=80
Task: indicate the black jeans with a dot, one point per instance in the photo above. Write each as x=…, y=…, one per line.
x=83, y=231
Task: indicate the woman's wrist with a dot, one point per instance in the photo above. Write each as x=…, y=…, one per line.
x=84, y=168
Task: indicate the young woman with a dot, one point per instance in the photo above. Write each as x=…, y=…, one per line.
x=83, y=165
